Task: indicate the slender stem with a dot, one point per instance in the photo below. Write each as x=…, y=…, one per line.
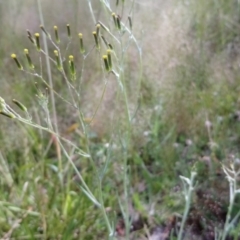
x=91, y=11
x=188, y=196
x=50, y=83
x=232, y=189
x=52, y=132
x=48, y=67
x=88, y=191
x=111, y=231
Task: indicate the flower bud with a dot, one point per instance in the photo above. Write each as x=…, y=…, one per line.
x=72, y=67
x=10, y=115
x=37, y=39
x=114, y=19
x=68, y=30
x=59, y=65
x=130, y=22
x=44, y=30
x=30, y=36
x=103, y=26
x=20, y=105
x=30, y=64
x=118, y=23
x=56, y=34
x=109, y=57
x=82, y=50
x=96, y=40
x=98, y=29
x=105, y=59
x=14, y=57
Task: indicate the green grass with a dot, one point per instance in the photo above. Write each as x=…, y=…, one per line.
x=112, y=153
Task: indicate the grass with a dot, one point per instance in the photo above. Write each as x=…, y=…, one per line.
x=104, y=138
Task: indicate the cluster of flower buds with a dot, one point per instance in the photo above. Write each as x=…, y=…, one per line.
x=7, y=111
x=29, y=60
x=117, y=21
x=108, y=60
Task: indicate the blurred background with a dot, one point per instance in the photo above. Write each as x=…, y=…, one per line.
x=190, y=58
x=188, y=107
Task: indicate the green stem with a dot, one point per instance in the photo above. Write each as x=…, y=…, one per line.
x=49, y=79
x=188, y=196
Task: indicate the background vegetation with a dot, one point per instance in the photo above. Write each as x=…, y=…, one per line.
x=173, y=111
